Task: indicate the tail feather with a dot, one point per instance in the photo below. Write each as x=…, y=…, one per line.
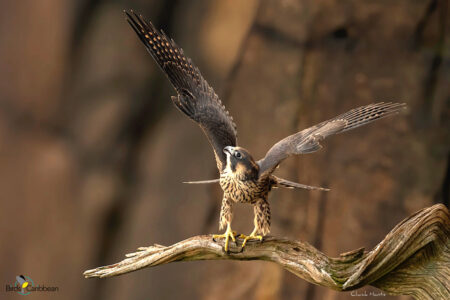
x=203, y=181
x=280, y=182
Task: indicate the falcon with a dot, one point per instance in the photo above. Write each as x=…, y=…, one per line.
x=242, y=179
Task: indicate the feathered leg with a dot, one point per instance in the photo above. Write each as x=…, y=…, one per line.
x=262, y=221
x=226, y=215
x=262, y=217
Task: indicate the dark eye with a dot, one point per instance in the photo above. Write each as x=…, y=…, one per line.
x=238, y=155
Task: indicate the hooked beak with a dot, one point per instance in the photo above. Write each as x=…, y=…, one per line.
x=228, y=150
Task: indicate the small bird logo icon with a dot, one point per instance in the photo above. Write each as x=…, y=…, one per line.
x=23, y=282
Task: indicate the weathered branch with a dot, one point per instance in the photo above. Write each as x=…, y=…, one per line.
x=413, y=259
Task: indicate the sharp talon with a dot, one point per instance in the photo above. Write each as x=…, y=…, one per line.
x=226, y=235
x=252, y=236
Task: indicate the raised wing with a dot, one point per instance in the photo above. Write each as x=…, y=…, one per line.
x=307, y=140
x=195, y=97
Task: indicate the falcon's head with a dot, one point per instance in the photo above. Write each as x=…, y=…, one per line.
x=240, y=163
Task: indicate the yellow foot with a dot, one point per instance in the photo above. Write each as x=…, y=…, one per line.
x=227, y=235
x=252, y=236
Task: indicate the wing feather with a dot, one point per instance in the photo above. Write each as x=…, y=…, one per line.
x=195, y=98
x=308, y=140
x=280, y=182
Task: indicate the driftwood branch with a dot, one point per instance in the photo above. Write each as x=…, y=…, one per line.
x=413, y=259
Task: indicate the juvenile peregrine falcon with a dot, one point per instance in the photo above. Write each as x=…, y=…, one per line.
x=242, y=179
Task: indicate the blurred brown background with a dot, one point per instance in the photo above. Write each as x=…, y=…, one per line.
x=92, y=153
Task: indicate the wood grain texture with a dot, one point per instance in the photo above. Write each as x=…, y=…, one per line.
x=413, y=259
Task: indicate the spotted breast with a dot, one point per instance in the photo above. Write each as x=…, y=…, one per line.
x=243, y=190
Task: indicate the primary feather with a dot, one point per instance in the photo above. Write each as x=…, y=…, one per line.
x=195, y=96
x=308, y=140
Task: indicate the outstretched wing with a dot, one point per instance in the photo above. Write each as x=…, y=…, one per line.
x=307, y=141
x=195, y=97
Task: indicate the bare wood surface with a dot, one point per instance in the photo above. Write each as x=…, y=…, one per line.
x=413, y=259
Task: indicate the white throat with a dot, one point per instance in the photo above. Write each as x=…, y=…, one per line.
x=227, y=170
